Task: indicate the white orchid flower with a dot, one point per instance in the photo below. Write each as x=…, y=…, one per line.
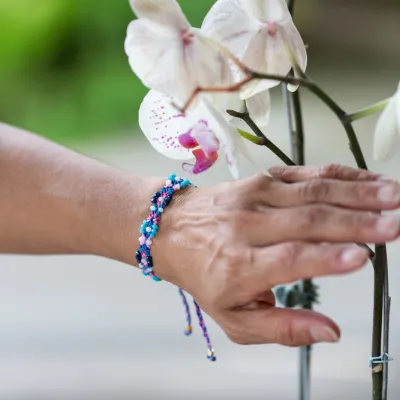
x=170, y=56
x=261, y=33
x=198, y=135
x=387, y=128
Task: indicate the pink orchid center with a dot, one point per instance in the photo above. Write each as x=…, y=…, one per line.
x=204, y=145
x=187, y=37
x=272, y=28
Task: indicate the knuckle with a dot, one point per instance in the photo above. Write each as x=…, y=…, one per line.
x=285, y=334
x=277, y=171
x=330, y=171
x=288, y=254
x=361, y=220
x=257, y=183
x=314, y=215
x=360, y=191
x=315, y=190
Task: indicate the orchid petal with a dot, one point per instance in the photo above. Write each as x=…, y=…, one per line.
x=228, y=23
x=296, y=46
x=167, y=13
x=386, y=131
x=162, y=124
x=276, y=59
x=262, y=55
x=267, y=10
x=172, y=64
x=397, y=96
x=205, y=63
x=146, y=45
x=259, y=107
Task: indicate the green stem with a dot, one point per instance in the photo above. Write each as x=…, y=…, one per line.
x=355, y=145
x=259, y=141
x=268, y=143
x=370, y=110
x=298, y=133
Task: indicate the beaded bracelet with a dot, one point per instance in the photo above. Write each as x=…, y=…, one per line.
x=148, y=231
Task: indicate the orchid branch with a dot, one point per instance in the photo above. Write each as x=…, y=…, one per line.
x=310, y=85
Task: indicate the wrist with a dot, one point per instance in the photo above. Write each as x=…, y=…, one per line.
x=170, y=242
x=120, y=208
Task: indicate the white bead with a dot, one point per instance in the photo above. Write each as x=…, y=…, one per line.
x=168, y=183
x=152, y=208
x=160, y=210
x=148, y=229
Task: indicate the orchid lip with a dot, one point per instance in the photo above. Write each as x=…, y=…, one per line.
x=187, y=141
x=203, y=162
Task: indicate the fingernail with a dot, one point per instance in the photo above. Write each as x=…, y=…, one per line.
x=388, y=226
x=353, y=255
x=324, y=334
x=389, y=194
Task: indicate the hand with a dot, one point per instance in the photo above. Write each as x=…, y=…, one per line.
x=229, y=245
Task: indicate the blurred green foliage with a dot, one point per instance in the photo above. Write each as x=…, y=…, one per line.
x=63, y=70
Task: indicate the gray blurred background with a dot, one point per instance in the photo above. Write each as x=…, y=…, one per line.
x=76, y=327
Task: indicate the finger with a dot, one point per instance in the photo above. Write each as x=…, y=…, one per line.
x=361, y=195
x=292, y=261
x=283, y=326
x=331, y=171
x=320, y=223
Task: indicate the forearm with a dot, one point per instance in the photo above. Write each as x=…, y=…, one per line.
x=55, y=201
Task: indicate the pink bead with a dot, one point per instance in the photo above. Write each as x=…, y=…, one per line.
x=168, y=183
x=177, y=186
x=149, y=242
x=161, y=199
x=142, y=240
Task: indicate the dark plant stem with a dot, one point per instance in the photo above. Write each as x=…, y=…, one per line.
x=381, y=281
x=245, y=116
x=296, y=129
x=379, y=277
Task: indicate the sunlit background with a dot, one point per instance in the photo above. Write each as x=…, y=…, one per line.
x=88, y=328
